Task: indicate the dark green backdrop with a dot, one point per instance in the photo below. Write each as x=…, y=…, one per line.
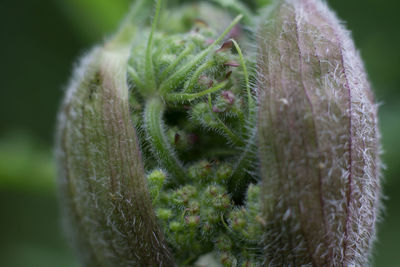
x=40, y=41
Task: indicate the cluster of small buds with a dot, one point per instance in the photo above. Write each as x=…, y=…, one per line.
x=200, y=170
x=203, y=210
x=217, y=197
x=246, y=221
x=245, y=232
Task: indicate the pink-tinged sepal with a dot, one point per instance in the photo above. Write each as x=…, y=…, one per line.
x=319, y=140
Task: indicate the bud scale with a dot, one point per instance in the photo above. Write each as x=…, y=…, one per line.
x=102, y=179
x=319, y=143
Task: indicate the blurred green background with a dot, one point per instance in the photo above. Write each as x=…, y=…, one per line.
x=41, y=40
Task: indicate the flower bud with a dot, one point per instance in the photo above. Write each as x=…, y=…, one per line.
x=189, y=122
x=319, y=142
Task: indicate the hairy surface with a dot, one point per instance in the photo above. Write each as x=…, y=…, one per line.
x=102, y=179
x=319, y=143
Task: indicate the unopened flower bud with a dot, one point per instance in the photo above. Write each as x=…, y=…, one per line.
x=319, y=142
x=200, y=171
x=192, y=221
x=175, y=226
x=224, y=171
x=224, y=243
x=164, y=214
x=158, y=138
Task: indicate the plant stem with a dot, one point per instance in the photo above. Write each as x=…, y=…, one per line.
x=181, y=97
x=149, y=68
x=250, y=100
x=159, y=143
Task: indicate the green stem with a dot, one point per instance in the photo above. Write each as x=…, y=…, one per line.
x=182, y=97
x=159, y=143
x=251, y=104
x=149, y=68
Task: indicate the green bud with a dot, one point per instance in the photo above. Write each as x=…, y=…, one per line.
x=224, y=172
x=238, y=220
x=221, y=201
x=224, y=243
x=164, y=214
x=209, y=214
x=192, y=221
x=200, y=171
x=155, y=180
x=183, y=195
x=194, y=207
x=176, y=226
x=212, y=192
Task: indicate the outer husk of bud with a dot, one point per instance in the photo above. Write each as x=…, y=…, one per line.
x=103, y=190
x=319, y=140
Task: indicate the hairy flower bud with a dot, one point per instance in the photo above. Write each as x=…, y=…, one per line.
x=157, y=141
x=319, y=142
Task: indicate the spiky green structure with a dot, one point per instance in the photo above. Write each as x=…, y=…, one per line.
x=195, y=118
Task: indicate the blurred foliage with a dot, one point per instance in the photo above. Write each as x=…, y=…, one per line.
x=25, y=165
x=92, y=19
x=40, y=42
x=30, y=231
x=29, y=226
